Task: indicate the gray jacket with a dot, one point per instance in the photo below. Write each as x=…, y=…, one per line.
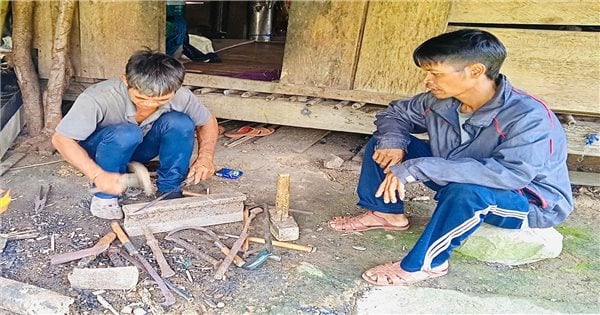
x=516, y=143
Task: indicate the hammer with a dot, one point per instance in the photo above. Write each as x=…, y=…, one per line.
x=139, y=177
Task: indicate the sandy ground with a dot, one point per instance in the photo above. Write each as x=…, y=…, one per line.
x=324, y=282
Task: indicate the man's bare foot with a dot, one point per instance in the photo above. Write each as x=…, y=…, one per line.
x=370, y=220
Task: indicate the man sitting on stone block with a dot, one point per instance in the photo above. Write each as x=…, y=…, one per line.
x=495, y=155
x=144, y=114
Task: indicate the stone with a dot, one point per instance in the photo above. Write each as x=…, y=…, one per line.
x=334, y=162
x=512, y=247
x=114, y=278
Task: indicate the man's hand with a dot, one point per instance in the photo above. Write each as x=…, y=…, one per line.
x=390, y=189
x=202, y=169
x=110, y=183
x=388, y=157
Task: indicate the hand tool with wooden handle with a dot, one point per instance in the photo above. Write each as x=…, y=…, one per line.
x=258, y=240
x=220, y=273
x=98, y=248
x=212, y=236
x=169, y=297
x=165, y=269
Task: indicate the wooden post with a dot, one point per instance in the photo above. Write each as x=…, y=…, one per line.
x=282, y=199
x=283, y=226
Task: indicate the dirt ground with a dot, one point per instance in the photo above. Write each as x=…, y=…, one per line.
x=323, y=282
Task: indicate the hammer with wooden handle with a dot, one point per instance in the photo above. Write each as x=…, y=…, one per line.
x=165, y=269
x=169, y=297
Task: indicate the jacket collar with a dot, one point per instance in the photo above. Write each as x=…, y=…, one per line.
x=482, y=117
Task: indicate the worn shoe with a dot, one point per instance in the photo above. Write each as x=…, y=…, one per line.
x=108, y=209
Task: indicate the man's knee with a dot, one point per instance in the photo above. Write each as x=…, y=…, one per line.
x=177, y=121
x=124, y=135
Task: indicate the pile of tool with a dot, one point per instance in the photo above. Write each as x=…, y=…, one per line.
x=121, y=276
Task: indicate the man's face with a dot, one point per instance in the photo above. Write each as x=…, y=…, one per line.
x=143, y=102
x=446, y=80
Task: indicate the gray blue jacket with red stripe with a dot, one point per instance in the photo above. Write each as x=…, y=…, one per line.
x=516, y=143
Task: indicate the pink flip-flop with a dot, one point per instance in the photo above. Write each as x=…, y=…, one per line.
x=391, y=274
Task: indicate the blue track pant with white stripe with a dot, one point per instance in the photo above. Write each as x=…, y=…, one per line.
x=460, y=210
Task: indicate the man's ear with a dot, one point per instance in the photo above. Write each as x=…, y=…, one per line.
x=477, y=70
x=124, y=79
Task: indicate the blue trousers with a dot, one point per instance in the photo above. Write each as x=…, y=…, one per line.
x=171, y=138
x=460, y=210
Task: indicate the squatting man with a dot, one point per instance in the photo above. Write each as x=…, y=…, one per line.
x=144, y=114
x=495, y=154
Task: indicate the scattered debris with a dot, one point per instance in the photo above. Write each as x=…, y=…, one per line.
x=106, y=305
x=335, y=162
x=360, y=248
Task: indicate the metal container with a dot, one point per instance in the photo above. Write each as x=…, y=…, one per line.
x=261, y=21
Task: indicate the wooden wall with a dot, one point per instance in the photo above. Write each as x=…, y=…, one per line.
x=392, y=31
x=321, y=44
x=562, y=67
x=104, y=35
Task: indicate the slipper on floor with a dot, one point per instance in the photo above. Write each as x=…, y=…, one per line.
x=242, y=132
x=391, y=274
x=353, y=224
x=263, y=131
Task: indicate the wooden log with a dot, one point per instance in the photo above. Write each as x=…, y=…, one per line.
x=22, y=298
x=114, y=278
x=248, y=94
x=283, y=112
x=167, y=215
x=371, y=97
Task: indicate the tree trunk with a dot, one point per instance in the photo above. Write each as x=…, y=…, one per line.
x=60, y=73
x=27, y=77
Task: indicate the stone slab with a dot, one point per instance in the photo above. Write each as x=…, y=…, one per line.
x=512, y=247
x=114, y=278
x=22, y=298
x=420, y=300
x=167, y=215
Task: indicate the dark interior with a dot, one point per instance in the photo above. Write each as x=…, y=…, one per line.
x=245, y=51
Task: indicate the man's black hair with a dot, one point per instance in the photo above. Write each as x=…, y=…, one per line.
x=464, y=47
x=153, y=73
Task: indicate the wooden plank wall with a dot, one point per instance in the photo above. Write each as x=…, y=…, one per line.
x=562, y=67
x=556, y=12
x=44, y=21
x=393, y=30
x=322, y=41
x=112, y=30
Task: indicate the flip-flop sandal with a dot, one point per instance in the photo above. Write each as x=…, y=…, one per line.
x=353, y=224
x=263, y=131
x=391, y=274
x=242, y=132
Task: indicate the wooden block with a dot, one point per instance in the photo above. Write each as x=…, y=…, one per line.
x=167, y=215
x=284, y=230
x=282, y=198
x=21, y=298
x=114, y=278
